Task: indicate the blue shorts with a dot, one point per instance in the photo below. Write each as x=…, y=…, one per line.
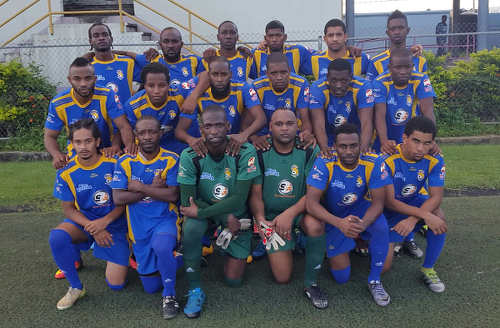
x=337, y=243
x=394, y=218
x=143, y=252
x=118, y=253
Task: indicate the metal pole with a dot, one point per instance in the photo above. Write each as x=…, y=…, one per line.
x=482, y=24
x=51, y=26
x=349, y=18
x=190, y=28
x=122, y=26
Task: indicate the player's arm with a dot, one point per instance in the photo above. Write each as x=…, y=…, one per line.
x=59, y=159
x=160, y=192
x=366, y=119
x=376, y=207
x=319, y=129
x=188, y=192
x=258, y=119
x=198, y=144
x=427, y=108
x=130, y=54
x=283, y=222
x=202, y=84
x=101, y=224
x=386, y=146
x=126, y=134
x=124, y=197
x=70, y=211
x=256, y=203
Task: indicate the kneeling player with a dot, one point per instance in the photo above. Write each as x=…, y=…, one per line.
x=412, y=168
x=353, y=191
x=278, y=201
x=147, y=184
x=84, y=188
x=214, y=189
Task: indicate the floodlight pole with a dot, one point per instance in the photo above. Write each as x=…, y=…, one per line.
x=349, y=19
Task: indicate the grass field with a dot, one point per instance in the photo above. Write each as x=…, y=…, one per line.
x=469, y=265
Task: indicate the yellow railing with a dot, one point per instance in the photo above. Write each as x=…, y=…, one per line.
x=120, y=12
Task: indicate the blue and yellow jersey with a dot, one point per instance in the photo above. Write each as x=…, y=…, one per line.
x=168, y=115
x=347, y=191
x=320, y=62
x=296, y=96
x=341, y=110
x=145, y=214
x=241, y=96
x=380, y=63
x=183, y=70
x=89, y=187
x=402, y=103
x=240, y=67
x=117, y=75
x=410, y=177
x=298, y=56
x=104, y=107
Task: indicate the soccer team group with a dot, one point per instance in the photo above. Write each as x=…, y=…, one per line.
x=237, y=143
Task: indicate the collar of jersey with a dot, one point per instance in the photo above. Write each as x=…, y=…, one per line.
x=345, y=168
x=77, y=102
x=238, y=55
x=398, y=147
x=279, y=93
x=115, y=57
x=143, y=160
x=209, y=91
x=181, y=58
x=150, y=104
x=347, y=55
x=83, y=167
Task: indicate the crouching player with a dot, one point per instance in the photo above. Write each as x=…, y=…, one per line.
x=410, y=169
x=352, y=187
x=278, y=200
x=84, y=188
x=147, y=184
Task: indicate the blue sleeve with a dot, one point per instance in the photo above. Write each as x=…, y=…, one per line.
x=305, y=61
x=379, y=176
x=120, y=178
x=365, y=96
x=199, y=67
x=365, y=63
x=171, y=179
x=371, y=72
x=61, y=189
x=424, y=88
x=316, y=97
x=53, y=121
x=379, y=92
x=303, y=99
x=129, y=112
x=192, y=117
x=424, y=68
x=113, y=105
x=140, y=61
x=253, y=68
x=137, y=72
x=250, y=97
x=437, y=174
x=319, y=175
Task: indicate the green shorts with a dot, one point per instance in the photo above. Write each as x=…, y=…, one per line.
x=289, y=244
x=240, y=247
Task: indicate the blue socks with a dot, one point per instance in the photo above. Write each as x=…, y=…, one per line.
x=151, y=284
x=65, y=255
x=379, y=246
x=435, y=244
x=163, y=245
x=116, y=287
x=341, y=276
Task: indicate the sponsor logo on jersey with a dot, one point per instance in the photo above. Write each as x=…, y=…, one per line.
x=240, y=71
x=251, y=161
x=369, y=93
x=338, y=183
x=175, y=83
x=184, y=71
x=273, y=172
x=220, y=191
x=101, y=197
x=427, y=82
x=359, y=181
x=227, y=173
x=408, y=190
x=269, y=107
x=409, y=100
x=285, y=187
x=400, y=116
x=294, y=171
x=95, y=115
x=349, y=198
x=399, y=175
x=253, y=94
x=391, y=101
x=232, y=111
x=166, y=128
x=442, y=173
x=100, y=77
x=207, y=176
x=420, y=175
x=117, y=100
x=94, y=175
x=108, y=178
x=339, y=120
x=172, y=114
x=119, y=74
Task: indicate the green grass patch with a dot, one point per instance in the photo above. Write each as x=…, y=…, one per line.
x=469, y=266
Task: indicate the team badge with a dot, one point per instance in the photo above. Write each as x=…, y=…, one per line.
x=94, y=114
x=240, y=71
x=172, y=114
x=408, y=190
x=185, y=71
x=119, y=74
x=400, y=116
x=339, y=120
x=232, y=111
x=349, y=198
x=288, y=103
x=112, y=86
x=108, y=178
x=157, y=172
x=294, y=170
x=227, y=173
x=251, y=161
x=348, y=106
x=220, y=191
x=420, y=175
x=285, y=187
x=101, y=197
x=408, y=100
x=359, y=181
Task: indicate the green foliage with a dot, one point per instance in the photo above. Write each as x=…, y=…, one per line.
x=468, y=92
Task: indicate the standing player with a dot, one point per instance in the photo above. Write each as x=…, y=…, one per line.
x=160, y=101
x=410, y=169
x=336, y=39
x=113, y=71
x=147, y=185
x=397, y=30
x=237, y=99
x=347, y=193
x=214, y=189
x=86, y=100
x=84, y=188
x=282, y=89
x=337, y=99
x=277, y=199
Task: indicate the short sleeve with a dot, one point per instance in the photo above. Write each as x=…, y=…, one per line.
x=187, y=173
x=371, y=72
x=437, y=174
x=379, y=176
x=305, y=61
x=120, y=178
x=312, y=159
x=250, y=97
x=316, y=97
x=53, y=121
x=425, y=89
x=379, y=92
x=113, y=106
x=365, y=96
x=199, y=66
x=319, y=175
x=303, y=99
x=248, y=166
x=129, y=112
x=137, y=72
x=172, y=172
x=61, y=190
x=140, y=61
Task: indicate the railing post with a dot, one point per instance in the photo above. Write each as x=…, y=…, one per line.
x=122, y=27
x=190, y=28
x=51, y=26
x=320, y=43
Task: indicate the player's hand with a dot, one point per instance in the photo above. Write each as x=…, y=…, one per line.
x=435, y=150
x=351, y=226
x=388, y=147
x=326, y=152
x=97, y=225
x=131, y=149
x=60, y=160
x=435, y=223
x=210, y=52
x=151, y=54
x=103, y=239
x=244, y=51
x=354, y=51
x=417, y=50
x=234, y=144
x=270, y=238
x=89, y=55
x=366, y=149
x=260, y=142
x=233, y=224
x=158, y=181
x=135, y=186
x=307, y=139
x=262, y=45
x=404, y=227
x=191, y=210
x=198, y=145
x=283, y=225
x=112, y=151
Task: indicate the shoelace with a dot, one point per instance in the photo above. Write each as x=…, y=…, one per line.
x=379, y=289
x=192, y=299
x=432, y=275
x=412, y=246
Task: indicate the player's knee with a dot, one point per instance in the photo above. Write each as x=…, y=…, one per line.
x=116, y=285
x=341, y=276
x=151, y=283
x=163, y=244
x=59, y=238
x=312, y=226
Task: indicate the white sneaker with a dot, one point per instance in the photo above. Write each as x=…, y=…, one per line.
x=70, y=298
